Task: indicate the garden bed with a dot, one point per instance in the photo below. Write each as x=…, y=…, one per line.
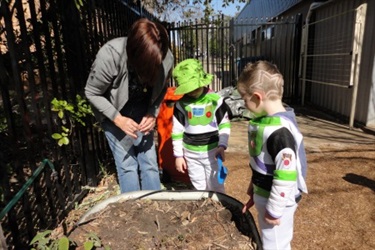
x=169, y=220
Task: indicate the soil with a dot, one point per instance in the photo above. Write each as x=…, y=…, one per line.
x=339, y=210
x=337, y=213
x=150, y=224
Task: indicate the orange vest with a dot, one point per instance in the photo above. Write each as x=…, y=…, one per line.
x=164, y=123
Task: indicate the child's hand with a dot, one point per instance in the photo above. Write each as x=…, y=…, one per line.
x=270, y=220
x=250, y=202
x=181, y=165
x=248, y=205
x=220, y=151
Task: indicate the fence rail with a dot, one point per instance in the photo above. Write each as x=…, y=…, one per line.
x=208, y=41
x=225, y=46
x=47, y=48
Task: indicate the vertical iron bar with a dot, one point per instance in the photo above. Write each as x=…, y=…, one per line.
x=42, y=70
x=48, y=48
x=20, y=95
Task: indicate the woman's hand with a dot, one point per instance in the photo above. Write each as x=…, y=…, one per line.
x=127, y=125
x=147, y=124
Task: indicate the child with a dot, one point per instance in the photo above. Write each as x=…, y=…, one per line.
x=201, y=126
x=277, y=154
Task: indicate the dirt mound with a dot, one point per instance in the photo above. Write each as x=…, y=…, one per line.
x=150, y=224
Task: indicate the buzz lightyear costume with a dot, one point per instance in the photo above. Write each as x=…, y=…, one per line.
x=279, y=165
x=199, y=126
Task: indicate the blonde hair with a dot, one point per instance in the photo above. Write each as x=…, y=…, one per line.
x=263, y=76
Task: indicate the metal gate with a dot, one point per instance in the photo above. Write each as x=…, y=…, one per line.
x=225, y=46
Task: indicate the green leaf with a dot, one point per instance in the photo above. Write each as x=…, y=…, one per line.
x=65, y=129
x=61, y=114
x=88, y=245
x=64, y=243
x=54, y=102
x=93, y=236
x=63, y=141
x=40, y=236
x=56, y=136
x=69, y=107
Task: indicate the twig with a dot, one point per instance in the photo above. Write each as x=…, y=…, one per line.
x=157, y=223
x=222, y=246
x=88, y=220
x=204, y=203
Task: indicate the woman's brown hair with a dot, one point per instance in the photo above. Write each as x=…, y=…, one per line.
x=146, y=48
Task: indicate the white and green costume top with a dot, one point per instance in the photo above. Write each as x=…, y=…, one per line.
x=278, y=160
x=201, y=124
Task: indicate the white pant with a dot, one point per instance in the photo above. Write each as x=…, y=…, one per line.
x=275, y=237
x=203, y=170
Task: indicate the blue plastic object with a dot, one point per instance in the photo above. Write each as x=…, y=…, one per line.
x=223, y=171
x=138, y=140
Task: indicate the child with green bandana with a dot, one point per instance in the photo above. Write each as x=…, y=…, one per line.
x=201, y=126
x=277, y=154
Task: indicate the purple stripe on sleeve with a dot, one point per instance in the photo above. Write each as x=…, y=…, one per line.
x=269, y=168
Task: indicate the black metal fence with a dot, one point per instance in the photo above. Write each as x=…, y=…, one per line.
x=277, y=40
x=226, y=45
x=209, y=41
x=47, y=47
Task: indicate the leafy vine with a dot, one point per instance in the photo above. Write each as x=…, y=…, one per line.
x=70, y=114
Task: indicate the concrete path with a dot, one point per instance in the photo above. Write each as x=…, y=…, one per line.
x=319, y=134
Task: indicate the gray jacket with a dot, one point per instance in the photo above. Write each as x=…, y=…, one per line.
x=107, y=84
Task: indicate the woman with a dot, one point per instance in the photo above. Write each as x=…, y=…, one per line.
x=126, y=85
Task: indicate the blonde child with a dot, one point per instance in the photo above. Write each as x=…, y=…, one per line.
x=277, y=154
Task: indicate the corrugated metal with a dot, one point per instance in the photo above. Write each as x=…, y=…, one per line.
x=330, y=43
x=334, y=99
x=266, y=8
x=275, y=40
x=337, y=37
